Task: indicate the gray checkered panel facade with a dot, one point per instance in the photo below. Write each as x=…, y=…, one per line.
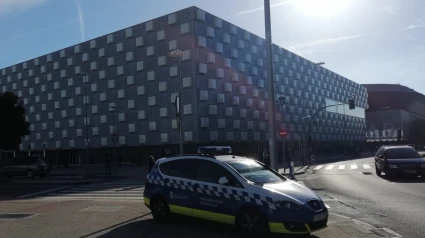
x=232, y=78
x=224, y=79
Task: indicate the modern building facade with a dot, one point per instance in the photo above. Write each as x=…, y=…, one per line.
x=393, y=108
x=224, y=81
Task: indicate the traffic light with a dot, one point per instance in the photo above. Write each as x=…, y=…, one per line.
x=351, y=104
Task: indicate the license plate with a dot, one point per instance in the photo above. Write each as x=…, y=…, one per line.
x=320, y=216
x=410, y=171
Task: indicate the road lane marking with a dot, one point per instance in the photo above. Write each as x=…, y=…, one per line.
x=327, y=206
x=341, y=167
x=318, y=167
x=354, y=166
x=366, y=166
x=43, y=192
x=330, y=167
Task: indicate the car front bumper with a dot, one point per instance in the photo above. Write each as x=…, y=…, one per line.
x=413, y=170
x=314, y=223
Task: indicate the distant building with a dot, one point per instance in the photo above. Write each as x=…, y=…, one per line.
x=224, y=82
x=395, y=114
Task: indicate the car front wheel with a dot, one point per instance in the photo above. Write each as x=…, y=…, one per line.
x=253, y=224
x=30, y=174
x=160, y=209
x=378, y=172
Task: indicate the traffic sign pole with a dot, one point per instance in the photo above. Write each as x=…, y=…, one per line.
x=283, y=133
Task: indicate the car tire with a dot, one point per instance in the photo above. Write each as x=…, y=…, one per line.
x=160, y=209
x=378, y=172
x=29, y=174
x=388, y=174
x=252, y=224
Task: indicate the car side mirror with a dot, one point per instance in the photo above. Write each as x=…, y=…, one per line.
x=223, y=181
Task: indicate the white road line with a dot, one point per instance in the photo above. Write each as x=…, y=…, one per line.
x=42, y=192
x=330, y=167
x=366, y=166
x=341, y=167
x=318, y=167
x=354, y=166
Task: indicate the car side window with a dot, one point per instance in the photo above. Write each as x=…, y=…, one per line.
x=182, y=168
x=211, y=172
x=379, y=152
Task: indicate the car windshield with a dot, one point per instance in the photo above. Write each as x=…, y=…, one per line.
x=402, y=153
x=255, y=172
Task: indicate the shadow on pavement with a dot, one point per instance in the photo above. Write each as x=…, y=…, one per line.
x=406, y=179
x=178, y=227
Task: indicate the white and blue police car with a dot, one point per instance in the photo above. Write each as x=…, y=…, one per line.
x=234, y=190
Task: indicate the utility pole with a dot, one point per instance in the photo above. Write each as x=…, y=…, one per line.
x=271, y=107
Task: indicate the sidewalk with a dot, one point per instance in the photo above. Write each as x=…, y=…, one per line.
x=76, y=175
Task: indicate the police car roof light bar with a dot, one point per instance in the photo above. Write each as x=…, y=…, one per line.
x=214, y=150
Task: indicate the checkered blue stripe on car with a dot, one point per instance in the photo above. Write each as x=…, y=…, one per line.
x=211, y=190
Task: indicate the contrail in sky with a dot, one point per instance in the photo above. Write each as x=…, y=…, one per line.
x=80, y=20
x=261, y=8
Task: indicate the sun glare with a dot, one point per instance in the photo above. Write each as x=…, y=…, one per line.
x=321, y=8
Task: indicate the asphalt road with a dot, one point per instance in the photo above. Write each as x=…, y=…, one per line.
x=353, y=189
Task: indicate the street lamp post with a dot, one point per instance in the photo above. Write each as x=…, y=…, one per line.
x=305, y=144
x=112, y=108
x=282, y=104
x=177, y=53
x=271, y=107
x=86, y=143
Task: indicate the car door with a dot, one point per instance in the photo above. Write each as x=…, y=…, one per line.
x=214, y=201
x=178, y=185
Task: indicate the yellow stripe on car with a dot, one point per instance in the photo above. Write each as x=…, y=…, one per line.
x=180, y=210
x=147, y=201
x=280, y=228
x=213, y=216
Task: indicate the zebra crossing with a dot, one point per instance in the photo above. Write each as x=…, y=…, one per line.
x=108, y=191
x=342, y=167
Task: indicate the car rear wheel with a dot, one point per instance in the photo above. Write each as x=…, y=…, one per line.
x=160, y=209
x=252, y=224
x=29, y=174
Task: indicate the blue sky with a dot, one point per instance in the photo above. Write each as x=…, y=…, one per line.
x=368, y=41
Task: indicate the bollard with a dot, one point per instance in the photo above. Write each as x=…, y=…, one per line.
x=291, y=170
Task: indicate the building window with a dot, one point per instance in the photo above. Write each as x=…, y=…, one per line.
x=95, y=131
x=140, y=90
x=129, y=56
x=152, y=125
x=71, y=122
x=163, y=112
x=63, y=113
x=187, y=109
x=151, y=101
x=94, y=109
x=111, y=83
x=121, y=116
x=121, y=93
x=184, y=28
x=139, y=41
x=150, y=51
x=162, y=86
x=151, y=75
x=130, y=104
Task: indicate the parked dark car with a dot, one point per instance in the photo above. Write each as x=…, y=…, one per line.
x=399, y=160
x=28, y=166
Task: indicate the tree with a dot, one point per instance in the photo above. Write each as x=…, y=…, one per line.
x=13, y=125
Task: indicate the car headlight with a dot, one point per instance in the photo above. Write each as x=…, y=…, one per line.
x=288, y=205
x=393, y=166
